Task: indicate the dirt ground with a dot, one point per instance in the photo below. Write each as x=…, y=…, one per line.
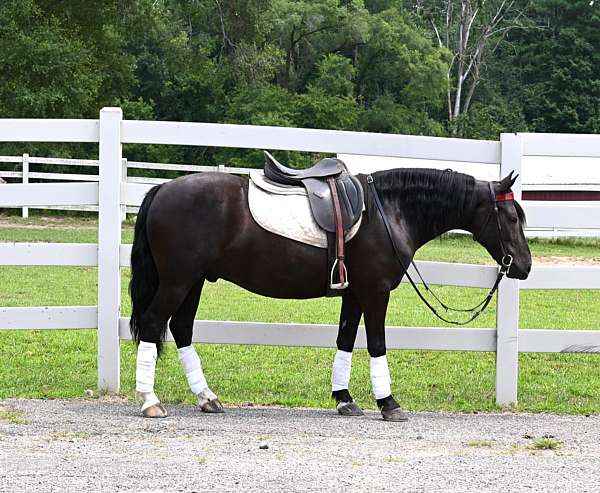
x=99, y=445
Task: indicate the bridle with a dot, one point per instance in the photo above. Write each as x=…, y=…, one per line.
x=505, y=262
x=507, y=258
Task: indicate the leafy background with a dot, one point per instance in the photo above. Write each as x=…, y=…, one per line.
x=369, y=65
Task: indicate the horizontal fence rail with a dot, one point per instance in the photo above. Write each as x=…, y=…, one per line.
x=17, y=195
x=111, y=190
x=49, y=317
x=577, y=215
x=324, y=335
x=545, y=219
x=51, y=130
x=411, y=338
x=309, y=140
x=560, y=145
x=78, y=254
x=562, y=277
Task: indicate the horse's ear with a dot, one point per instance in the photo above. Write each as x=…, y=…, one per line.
x=506, y=183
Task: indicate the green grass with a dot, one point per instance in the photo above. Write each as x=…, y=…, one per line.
x=546, y=443
x=53, y=364
x=12, y=416
x=480, y=444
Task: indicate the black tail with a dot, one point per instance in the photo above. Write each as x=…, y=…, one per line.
x=144, y=276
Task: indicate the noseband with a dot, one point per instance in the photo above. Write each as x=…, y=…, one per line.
x=505, y=262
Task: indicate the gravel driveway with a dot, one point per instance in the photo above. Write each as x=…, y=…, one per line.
x=103, y=445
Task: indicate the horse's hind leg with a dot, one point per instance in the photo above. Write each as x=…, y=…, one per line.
x=342, y=364
x=164, y=304
x=182, y=327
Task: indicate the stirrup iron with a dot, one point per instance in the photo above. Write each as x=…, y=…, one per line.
x=338, y=285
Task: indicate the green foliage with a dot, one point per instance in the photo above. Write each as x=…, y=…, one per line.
x=306, y=30
x=489, y=121
x=562, y=69
x=141, y=110
x=368, y=65
x=389, y=117
x=397, y=59
x=335, y=76
x=546, y=76
x=546, y=443
x=317, y=109
x=46, y=70
x=252, y=65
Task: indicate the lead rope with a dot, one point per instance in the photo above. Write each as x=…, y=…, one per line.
x=479, y=308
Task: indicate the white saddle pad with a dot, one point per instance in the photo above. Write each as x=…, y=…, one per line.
x=285, y=211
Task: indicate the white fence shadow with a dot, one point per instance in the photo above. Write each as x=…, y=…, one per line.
x=111, y=193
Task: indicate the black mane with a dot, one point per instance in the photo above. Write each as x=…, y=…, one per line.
x=432, y=197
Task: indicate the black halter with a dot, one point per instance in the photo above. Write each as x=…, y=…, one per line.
x=506, y=260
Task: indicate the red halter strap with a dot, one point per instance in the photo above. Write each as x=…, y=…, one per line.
x=505, y=196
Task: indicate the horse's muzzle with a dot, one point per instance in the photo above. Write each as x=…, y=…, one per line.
x=519, y=272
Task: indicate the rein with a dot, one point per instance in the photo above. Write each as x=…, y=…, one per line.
x=506, y=261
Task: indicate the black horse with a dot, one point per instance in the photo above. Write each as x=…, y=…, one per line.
x=199, y=227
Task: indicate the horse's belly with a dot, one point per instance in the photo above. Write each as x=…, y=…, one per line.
x=277, y=267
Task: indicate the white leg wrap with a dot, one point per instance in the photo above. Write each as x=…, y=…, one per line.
x=148, y=399
x=380, y=377
x=340, y=373
x=192, y=367
x=145, y=367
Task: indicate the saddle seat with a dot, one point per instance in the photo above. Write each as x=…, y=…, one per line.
x=349, y=189
x=336, y=201
x=279, y=173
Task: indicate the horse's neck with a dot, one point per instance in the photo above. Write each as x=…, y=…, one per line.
x=436, y=222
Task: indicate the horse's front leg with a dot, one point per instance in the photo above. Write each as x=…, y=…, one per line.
x=375, y=309
x=342, y=364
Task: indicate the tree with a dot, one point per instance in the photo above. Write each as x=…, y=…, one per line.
x=335, y=76
x=401, y=76
x=472, y=30
x=558, y=69
x=308, y=29
x=46, y=70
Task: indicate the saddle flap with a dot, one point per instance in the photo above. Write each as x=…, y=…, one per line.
x=351, y=197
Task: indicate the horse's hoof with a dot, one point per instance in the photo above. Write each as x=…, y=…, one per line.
x=395, y=414
x=155, y=411
x=349, y=409
x=213, y=407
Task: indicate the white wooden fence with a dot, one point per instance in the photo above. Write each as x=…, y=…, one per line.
x=111, y=192
x=25, y=160
x=26, y=174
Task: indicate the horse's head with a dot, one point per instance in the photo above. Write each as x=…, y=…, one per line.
x=498, y=226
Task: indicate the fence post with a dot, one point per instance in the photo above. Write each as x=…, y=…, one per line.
x=507, y=314
x=124, y=179
x=109, y=240
x=25, y=169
